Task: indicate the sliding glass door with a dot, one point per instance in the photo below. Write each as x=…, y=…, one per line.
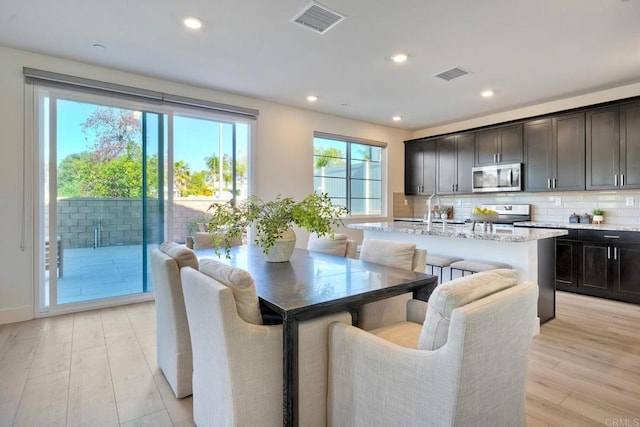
x=102, y=182
x=115, y=179
x=210, y=165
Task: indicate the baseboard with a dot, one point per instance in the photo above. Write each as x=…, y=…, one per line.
x=16, y=314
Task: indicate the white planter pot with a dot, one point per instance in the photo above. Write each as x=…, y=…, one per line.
x=283, y=247
x=598, y=219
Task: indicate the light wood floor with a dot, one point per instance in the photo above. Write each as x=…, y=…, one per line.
x=98, y=369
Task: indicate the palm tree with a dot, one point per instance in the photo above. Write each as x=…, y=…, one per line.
x=181, y=176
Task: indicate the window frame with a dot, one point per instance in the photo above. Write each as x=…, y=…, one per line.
x=349, y=141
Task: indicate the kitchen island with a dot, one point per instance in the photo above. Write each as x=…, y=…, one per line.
x=530, y=251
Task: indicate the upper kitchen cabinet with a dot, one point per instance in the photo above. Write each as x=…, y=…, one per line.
x=420, y=167
x=554, y=153
x=455, y=163
x=613, y=147
x=630, y=146
x=499, y=145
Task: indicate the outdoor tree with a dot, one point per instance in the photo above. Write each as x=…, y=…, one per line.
x=181, y=176
x=328, y=157
x=74, y=174
x=198, y=185
x=112, y=164
x=114, y=131
x=214, y=165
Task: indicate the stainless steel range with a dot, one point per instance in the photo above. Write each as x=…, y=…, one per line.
x=511, y=213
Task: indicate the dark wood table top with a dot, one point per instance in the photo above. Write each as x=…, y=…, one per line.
x=311, y=281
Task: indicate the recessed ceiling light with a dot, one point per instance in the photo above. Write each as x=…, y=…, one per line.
x=399, y=58
x=487, y=93
x=396, y=118
x=192, y=22
x=312, y=98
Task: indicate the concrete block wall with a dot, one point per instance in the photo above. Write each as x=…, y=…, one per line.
x=186, y=209
x=120, y=220
x=83, y=223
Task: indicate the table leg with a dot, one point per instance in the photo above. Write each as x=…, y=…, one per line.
x=424, y=292
x=290, y=370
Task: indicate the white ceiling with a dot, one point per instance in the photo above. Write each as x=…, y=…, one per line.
x=527, y=51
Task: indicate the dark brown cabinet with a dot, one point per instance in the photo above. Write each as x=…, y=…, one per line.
x=500, y=145
x=599, y=263
x=592, y=148
x=455, y=163
x=420, y=167
x=554, y=153
x=613, y=147
x=630, y=146
x=567, y=263
x=603, y=148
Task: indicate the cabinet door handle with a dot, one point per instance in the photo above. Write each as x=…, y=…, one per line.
x=615, y=253
x=621, y=180
x=615, y=180
x=609, y=236
x=555, y=182
x=495, y=158
x=608, y=252
x=549, y=183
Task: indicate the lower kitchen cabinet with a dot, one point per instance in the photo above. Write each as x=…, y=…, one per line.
x=566, y=264
x=600, y=263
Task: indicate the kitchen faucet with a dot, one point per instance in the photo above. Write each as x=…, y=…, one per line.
x=428, y=214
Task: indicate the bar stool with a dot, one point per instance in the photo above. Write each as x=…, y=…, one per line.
x=475, y=266
x=440, y=261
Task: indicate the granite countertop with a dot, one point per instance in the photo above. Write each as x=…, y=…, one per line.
x=577, y=226
x=500, y=234
x=435, y=220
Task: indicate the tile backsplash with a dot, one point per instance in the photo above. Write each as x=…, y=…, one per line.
x=554, y=207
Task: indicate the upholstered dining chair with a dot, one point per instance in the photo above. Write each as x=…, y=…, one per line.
x=466, y=365
x=204, y=240
x=237, y=372
x=338, y=245
x=392, y=254
x=173, y=344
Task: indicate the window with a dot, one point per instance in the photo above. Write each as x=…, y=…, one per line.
x=349, y=171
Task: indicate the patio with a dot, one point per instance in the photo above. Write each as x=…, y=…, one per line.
x=102, y=272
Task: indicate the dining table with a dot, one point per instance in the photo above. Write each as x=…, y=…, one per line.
x=312, y=284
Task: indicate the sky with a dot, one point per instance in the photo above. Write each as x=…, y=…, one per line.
x=194, y=139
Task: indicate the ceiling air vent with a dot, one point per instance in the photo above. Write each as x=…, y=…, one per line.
x=452, y=73
x=317, y=18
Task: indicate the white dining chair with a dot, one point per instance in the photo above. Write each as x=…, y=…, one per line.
x=173, y=343
x=238, y=362
x=465, y=366
x=338, y=245
x=392, y=254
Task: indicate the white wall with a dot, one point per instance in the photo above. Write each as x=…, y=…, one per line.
x=282, y=157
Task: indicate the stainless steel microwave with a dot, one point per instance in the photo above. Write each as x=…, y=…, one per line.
x=497, y=178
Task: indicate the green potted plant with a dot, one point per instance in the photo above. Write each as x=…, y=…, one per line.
x=598, y=216
x=273, y=221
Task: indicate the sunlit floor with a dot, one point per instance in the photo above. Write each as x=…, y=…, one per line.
x=103, y=272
